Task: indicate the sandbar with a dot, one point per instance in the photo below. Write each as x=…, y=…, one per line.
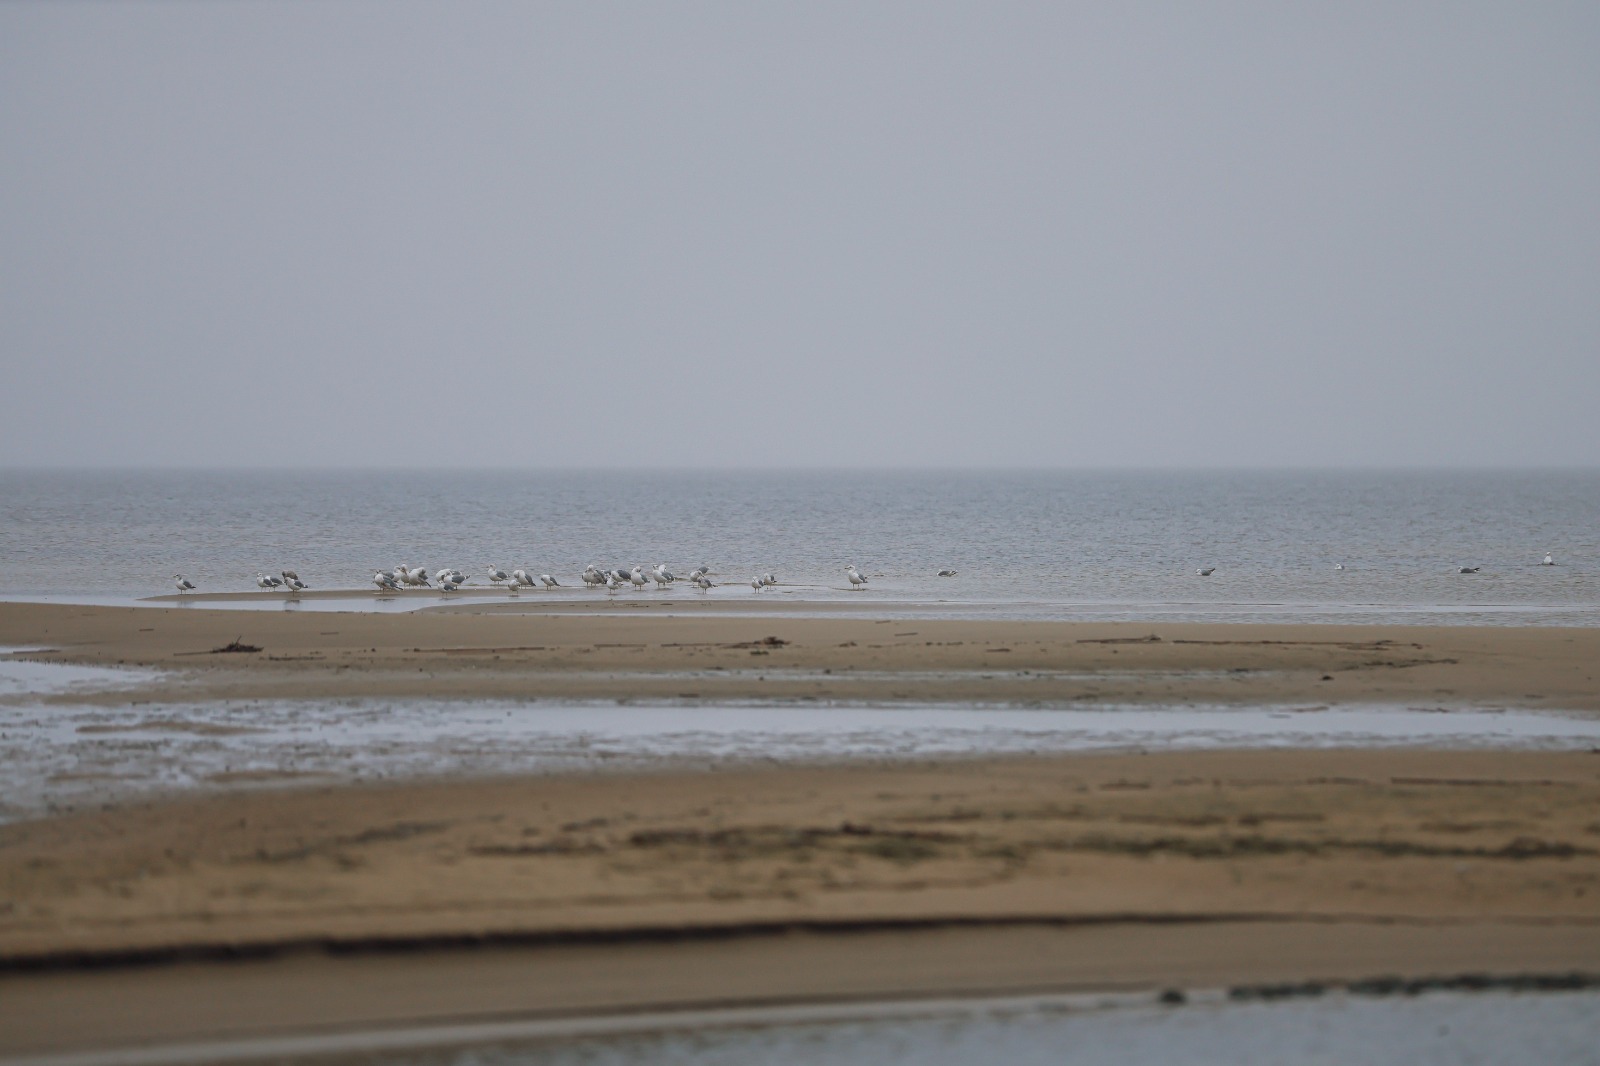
x=257, y=912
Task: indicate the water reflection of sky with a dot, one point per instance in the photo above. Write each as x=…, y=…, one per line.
x=54, y=755
x=1129, y=1029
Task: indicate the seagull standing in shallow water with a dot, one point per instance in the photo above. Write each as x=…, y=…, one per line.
x=183, y=583
x=857, y=578
x=548, y=581
x=266, y=582
x=704, y=582
x=496, y=574
x=1549, y=559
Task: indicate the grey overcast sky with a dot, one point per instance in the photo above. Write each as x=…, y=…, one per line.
x=800, y=234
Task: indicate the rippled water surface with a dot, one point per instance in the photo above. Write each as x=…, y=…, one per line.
x=54, y=756
x=1033, y=544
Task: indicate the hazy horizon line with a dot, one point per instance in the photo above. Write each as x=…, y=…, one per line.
x=820, y=468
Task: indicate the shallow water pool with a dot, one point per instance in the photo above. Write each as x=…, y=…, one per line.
x=55, y=756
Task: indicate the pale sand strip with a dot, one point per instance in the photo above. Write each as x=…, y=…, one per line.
x=632, y=653
x=368, y=1002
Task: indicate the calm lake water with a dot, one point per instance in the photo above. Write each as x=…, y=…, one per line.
x=1029, y=544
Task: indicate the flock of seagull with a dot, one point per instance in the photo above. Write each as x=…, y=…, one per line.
x=450, y=579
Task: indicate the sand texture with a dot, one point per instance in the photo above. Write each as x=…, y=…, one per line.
x=630, y=649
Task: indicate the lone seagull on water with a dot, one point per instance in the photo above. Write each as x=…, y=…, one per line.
x=1549, y=559
x=1206, y=571
x=947, y=573
x=1468, y=569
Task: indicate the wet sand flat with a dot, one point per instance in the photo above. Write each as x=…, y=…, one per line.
x=769, y=884
x=710, y=651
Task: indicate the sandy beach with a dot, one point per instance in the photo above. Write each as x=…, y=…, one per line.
x=639, y=649
x=242, y=912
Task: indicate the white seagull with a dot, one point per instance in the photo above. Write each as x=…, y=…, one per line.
x=548, y=581
x=663, y=576
x=1468, y=569
x=636, y=575
x=294, y=583
x=268, y=582
x=496, y=574
x=592, y=577
x=448, y=582
x=520, y=578
x=384, y=579
x=769, y=579
x=1206, y=571
x=183, y=583
x=757, y=584
x=857, y=578
x=1549, y=559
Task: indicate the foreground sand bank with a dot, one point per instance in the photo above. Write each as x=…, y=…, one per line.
x=636, y=651
x=1327, y=835
x=620, y=892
